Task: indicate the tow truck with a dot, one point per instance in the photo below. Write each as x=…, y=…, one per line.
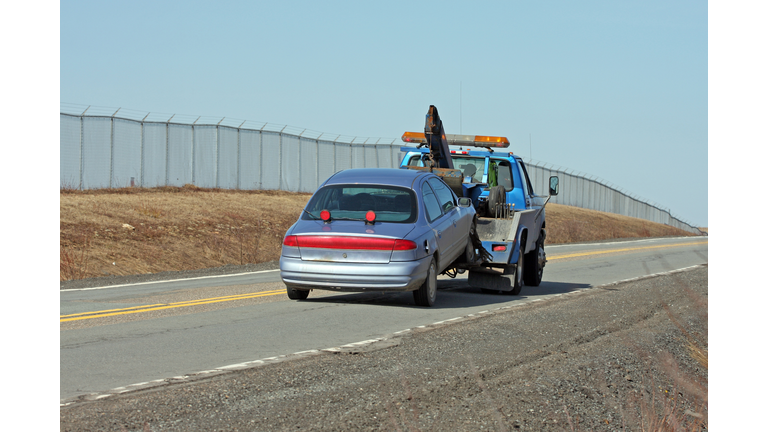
x=510, y=229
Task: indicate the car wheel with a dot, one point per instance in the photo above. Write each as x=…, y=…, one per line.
x=534, y=264
x=295, y=294
x=469, y=251
x=427, y=292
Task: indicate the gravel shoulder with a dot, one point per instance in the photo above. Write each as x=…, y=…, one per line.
x=618, y=357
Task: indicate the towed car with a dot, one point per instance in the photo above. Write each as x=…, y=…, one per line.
x=377, y=229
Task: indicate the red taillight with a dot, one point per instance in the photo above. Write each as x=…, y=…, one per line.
x=499, y=248
x=290, y=241
x=325, y=215
x=401, y=245
x=353, y=243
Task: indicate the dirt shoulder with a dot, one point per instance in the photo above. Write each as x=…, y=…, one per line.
x=608, y=358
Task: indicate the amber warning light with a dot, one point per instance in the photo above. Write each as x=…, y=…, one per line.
x=460, y=140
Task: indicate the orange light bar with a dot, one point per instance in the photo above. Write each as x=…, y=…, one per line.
x=414, y=137
x=461, y=140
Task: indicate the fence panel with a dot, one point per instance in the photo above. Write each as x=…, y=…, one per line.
x=153, y=155
x=126, y=169
x=270, y=160
x=179, y=155
x=308, y=164
x=204, y=159
x=326, y=161
x=97, y=152
x=290, y=171
x=250, y=160
x=227, y=169
x=69, y=150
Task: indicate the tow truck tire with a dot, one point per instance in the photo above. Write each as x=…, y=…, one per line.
x=534, y=264
x=295, y=294
x=519, y=273
x=427, y=292
x=496, y=197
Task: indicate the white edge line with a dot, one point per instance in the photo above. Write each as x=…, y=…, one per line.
x=166, y=281
x=354, y=344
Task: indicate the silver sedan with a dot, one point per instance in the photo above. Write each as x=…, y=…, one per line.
x=377, y=230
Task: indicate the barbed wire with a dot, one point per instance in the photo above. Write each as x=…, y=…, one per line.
x=187, y=119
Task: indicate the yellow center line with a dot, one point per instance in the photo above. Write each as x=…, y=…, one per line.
x=580, y=254
x=155, y=307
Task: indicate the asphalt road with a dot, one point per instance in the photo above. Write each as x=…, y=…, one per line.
x=115, y=339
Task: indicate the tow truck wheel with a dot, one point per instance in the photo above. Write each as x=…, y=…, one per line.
x=427, y=292
x=534, y=264
x=519, y=272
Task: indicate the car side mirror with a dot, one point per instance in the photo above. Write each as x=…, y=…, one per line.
x=554, y=185
x=465, y=202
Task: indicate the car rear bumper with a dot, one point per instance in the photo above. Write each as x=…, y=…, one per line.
x=392, y=276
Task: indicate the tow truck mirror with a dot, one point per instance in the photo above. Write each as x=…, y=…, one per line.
x=554, y=185
x=465, y=202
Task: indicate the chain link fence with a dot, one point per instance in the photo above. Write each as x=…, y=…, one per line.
x=115, y=148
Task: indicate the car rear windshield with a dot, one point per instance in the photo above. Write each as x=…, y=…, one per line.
x=352, y=202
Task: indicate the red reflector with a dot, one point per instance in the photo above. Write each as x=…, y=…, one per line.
x=499, y=248
x=354, y=243
x=325, y=215
x=290, y=241
x=370, y=216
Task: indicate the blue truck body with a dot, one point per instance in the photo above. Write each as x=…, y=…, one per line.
x=510, y=230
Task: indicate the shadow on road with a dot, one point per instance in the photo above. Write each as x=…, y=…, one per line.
x=451, y=294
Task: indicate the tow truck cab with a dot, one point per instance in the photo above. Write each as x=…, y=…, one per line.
x=482, y=170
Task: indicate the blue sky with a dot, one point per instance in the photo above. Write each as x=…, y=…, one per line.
x=617, y=90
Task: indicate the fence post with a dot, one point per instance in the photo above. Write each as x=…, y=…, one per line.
x=82, y=147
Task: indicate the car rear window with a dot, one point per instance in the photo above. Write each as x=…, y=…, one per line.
x=352, y=202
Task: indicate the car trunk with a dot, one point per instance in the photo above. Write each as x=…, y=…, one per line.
x=349, y=241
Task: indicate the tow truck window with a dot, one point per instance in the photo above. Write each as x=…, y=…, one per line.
x=504, y=175
x=472, y=167
x=527, y=179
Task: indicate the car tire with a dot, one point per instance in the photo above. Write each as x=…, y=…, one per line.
x=295, y=294
x=469, y=252
x=534, y=264
x=427, y=292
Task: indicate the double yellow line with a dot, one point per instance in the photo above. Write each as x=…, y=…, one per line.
x=161, y=306
x=610, y=251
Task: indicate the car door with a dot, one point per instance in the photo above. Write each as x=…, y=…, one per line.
x=440, y=223
x=454, y=231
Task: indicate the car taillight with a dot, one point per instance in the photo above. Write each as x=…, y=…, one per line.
x=353, y=243
x=401, y=245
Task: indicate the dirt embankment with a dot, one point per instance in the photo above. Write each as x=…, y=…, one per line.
x=133, y=231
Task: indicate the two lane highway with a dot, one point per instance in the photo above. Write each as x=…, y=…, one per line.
x=112, y=337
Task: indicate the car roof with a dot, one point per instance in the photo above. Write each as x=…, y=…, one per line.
x=378, y=176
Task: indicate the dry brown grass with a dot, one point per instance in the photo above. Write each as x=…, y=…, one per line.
x=171, y=228
x=566, y=224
